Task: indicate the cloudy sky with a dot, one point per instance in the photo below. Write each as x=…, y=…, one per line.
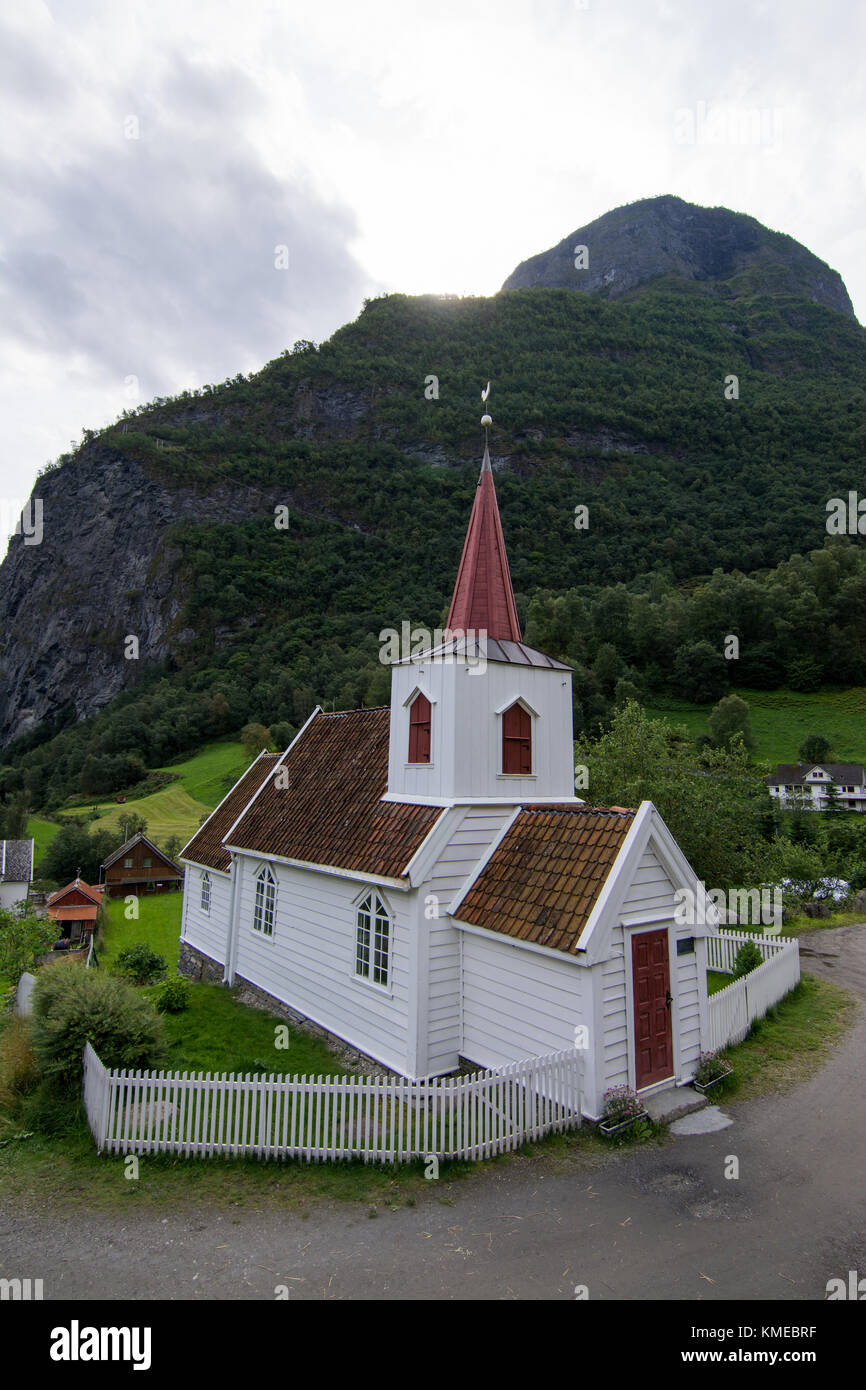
x=157, y=152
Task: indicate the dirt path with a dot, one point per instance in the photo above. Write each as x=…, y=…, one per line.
x=650, y=1223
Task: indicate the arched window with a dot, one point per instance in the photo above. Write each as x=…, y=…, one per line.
x=205, y=892
x=372, y=940
x=517, y=740
x=419, y=730
x=266, y=899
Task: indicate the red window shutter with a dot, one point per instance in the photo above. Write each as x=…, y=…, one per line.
x=516, y=740
x=419, y=730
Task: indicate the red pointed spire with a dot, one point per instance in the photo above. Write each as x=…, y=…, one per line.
x=483, y=596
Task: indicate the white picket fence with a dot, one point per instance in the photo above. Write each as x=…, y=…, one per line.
x=733, y=1009
x=376, y=1118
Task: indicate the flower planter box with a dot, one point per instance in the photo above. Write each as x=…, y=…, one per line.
x=611, y=1127
x=708, y=1085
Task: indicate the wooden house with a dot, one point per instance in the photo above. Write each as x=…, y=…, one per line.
x=139, y=867
x=75, y=909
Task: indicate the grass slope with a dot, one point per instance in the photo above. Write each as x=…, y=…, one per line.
x=177, y=809
x=781, y=719
x=42, y=832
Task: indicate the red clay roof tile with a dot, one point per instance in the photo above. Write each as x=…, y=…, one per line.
x=331, y=813
x=543, y=880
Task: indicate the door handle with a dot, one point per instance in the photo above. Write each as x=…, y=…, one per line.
x=669, y=998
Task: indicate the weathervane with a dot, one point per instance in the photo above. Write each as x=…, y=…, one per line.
x=486, y=419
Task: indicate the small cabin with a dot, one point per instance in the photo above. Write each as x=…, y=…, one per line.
x=75, y=909
x=139, y=868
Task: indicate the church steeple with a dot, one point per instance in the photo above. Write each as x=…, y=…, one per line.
x=483, y=597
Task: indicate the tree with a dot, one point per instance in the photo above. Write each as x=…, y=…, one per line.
x=815, y=748
x=700, y=672
x=729, y=718
x=23, y=939
x=14, y=819
x=74, y=849
x=254, y=738
x=132, y=823
x=172, y=846
x=712, y=804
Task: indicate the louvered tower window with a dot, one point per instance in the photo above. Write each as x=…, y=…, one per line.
x=419, y=730
x=516, y=740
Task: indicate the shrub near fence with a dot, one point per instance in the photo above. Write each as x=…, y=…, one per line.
x=373, y=1118
x=732, y=1010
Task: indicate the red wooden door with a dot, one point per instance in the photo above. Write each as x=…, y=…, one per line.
x=653, y=1037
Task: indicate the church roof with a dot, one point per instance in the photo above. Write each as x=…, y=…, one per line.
x=483, y=597
x=206, y=846
x=544, y=878
x=331, y=812
x=512, y=653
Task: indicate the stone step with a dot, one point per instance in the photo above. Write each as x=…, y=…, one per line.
x=673, y=1103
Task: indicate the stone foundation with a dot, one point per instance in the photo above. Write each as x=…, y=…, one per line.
x=197, y=966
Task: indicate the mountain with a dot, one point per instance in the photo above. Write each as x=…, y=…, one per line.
x=726, y=253
x=162, y=526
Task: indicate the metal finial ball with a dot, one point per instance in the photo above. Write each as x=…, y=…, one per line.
x=486, y=420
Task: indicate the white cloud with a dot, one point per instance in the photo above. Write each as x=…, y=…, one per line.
x=391, y=144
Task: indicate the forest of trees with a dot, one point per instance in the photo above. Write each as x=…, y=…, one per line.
x=706, y=514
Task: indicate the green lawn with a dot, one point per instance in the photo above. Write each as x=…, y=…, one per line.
x=177, y=809
x=781, y=719
x=158, y=924
x=43, y=832
x=716, y=980
x=219, y=1034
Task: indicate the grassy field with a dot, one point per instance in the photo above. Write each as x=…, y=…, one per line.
x=158, y=925
x=781, y=719
x=43, y=832
x=177, y=809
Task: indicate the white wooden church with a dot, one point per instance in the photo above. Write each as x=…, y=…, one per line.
x=422, y=882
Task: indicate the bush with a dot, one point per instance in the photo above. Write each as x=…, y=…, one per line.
x=173, y=997
x=857, y=879
x=748, y=958
x=140, y=964
x=72, y=1006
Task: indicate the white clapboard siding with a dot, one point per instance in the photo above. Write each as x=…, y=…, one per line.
x=379, y=1119
x=688, y=1002
x=733, y=1009
x=650, y=889
x=477, y=830
x=206, y=931
x=309, y=962
x=517, y=1003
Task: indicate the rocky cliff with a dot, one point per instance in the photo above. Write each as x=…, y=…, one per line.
x=103, y=569
x=728, y=252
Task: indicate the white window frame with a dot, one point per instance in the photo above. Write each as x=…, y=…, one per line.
x=265, y=909
x=370, y=956
x=205, y=892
